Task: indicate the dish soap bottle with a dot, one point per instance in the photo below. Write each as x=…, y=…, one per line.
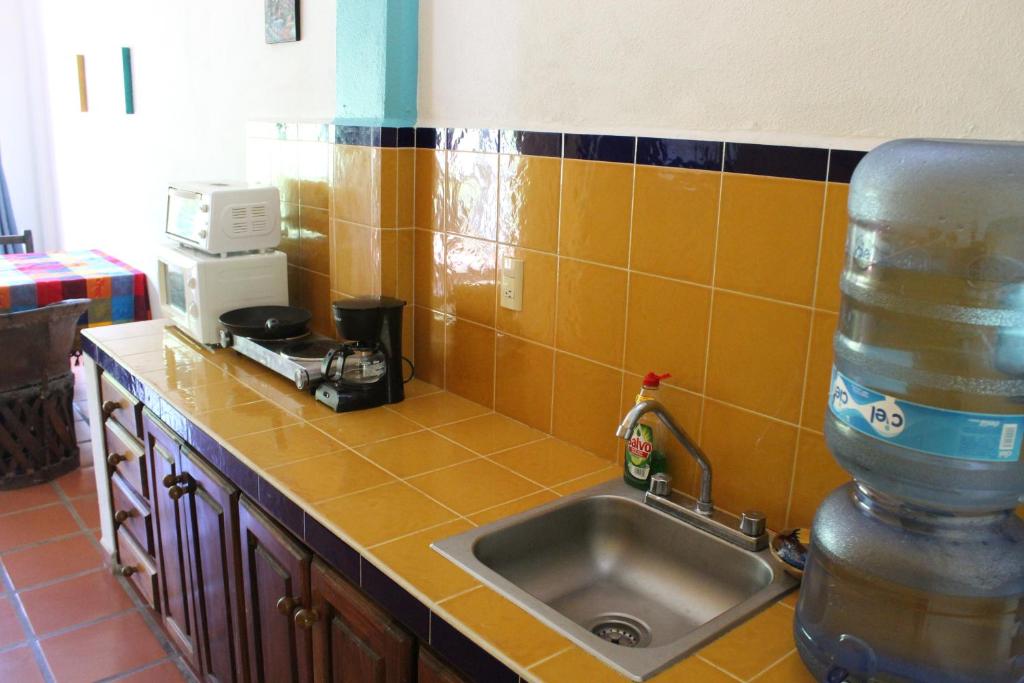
x=645, y=453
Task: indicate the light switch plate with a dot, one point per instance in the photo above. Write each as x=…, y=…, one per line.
x=512, y=283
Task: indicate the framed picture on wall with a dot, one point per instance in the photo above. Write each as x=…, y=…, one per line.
x=281, y=21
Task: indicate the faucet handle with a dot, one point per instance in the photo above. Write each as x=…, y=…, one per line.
x=660, y=484
x=752, y=523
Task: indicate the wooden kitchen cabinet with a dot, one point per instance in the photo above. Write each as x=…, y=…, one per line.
x=430, y=669
x=354, y=641
x=275, y=585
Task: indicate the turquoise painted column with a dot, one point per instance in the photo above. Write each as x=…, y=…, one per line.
x=377, y=52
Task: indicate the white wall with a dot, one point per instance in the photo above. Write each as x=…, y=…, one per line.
x=797, y=71
x=24, y=123
x=201, y=70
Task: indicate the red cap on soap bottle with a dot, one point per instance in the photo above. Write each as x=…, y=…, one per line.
x=652, y=380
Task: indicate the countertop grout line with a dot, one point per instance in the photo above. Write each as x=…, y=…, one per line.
x=548, y=658
x=771, y=666
x=716, y=667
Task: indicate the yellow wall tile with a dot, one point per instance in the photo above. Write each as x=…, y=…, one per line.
x=430, y=189
x=768, y=236
x=290, y=232
x=428, y=345
x=314, y=174
x=405, y=176
x=586, y=409
x=356, y=267
x=523, y=381
x=388, y=262
x=469, y=361
x=353, y=180
x=595, y=214
x=528, y=201
x=674, y=220
x=314, y=240
x=752, y=458
x=472, y=195
x=833, y=246
x=315, y=293
x=430, y=267
x=817, y=474
x=404, y=268
x=285, y=169
x=657, y=305
x=387, y=183
x=819, y=371
x=757, y=353
x=591, y=311
x=537, y=319
x=469, y=278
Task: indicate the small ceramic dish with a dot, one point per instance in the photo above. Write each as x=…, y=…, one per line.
x=790, y=547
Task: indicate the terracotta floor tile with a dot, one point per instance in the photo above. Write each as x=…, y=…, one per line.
x=87, y=654
x=51, y=561
x=88, y=508
x=32, y=526
x=74, y=601
x=19, y=665
x=80, y=482
x=33, y=496
x=167, y=672
x=11, y=631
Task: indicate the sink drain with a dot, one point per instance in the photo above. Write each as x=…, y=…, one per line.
x=620, y=629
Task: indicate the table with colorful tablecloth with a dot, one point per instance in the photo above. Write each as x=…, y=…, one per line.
x=117, y=292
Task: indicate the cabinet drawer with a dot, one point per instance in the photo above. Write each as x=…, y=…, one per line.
x=117, y=403
x=137, y=567
x=126, y=457
x=131, y=513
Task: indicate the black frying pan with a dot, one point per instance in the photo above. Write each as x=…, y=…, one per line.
x=266, y=322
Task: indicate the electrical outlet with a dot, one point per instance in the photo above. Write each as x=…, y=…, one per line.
x=512, y=283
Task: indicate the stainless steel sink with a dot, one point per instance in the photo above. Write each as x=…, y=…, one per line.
x=632, y=585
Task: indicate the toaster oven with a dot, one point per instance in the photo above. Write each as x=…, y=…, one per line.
x=223, y=217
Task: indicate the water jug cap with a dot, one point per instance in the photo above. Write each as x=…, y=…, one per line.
x=652, y=380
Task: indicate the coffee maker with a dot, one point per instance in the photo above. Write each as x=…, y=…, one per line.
x=365, y=370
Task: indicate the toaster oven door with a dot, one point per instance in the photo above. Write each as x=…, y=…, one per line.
x=187, y=216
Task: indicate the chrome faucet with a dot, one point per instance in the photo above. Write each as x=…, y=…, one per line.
x=704, y=504
x=749, y=534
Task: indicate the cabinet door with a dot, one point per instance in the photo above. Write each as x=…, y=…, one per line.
x=275, y=582
x=353, y=640
x=430, y=669
x=211, y=518
x=171, y=546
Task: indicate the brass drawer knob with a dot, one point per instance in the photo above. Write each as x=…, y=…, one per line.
x=124, y=570
x=171, y=480
x=121, y=516
x=109, y=407
x=114, y=458
x=180, y=485
x=176, y=492
x=306, y=617
x=286, y=604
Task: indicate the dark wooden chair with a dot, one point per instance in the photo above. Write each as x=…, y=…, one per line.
x=24, y=238
x=37, y=425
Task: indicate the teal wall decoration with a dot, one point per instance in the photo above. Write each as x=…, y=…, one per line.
x=129, y=92
x=377, y=62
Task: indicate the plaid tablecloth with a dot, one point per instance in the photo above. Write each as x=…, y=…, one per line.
x=118, y=291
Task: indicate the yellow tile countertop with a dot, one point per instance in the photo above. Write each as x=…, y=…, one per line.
x=391, y=480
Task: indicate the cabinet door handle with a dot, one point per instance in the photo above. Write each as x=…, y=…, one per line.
x=124, y=570
x=121, y=516
x=109, y=407
x=286, y=604
x=306, y=617
x=185, y=484
x=171, y=480
x=114, y=458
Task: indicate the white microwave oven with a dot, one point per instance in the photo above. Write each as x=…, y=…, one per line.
x=196, y=288
x=223, y=217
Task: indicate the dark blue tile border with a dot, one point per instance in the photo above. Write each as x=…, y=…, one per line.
x=431, y=138
x=466, y=655
x=353, y=135
x=372, y=136
x=705, y=155
x=801, y=163
x=842, y=163
x=617, y=148
x=335, y=551
x=280, y=507
x=530, y=142
x=409, y=611
x=472, y=140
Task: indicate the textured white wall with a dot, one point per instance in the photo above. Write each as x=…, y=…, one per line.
x=201, y=70
x=798, y=71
